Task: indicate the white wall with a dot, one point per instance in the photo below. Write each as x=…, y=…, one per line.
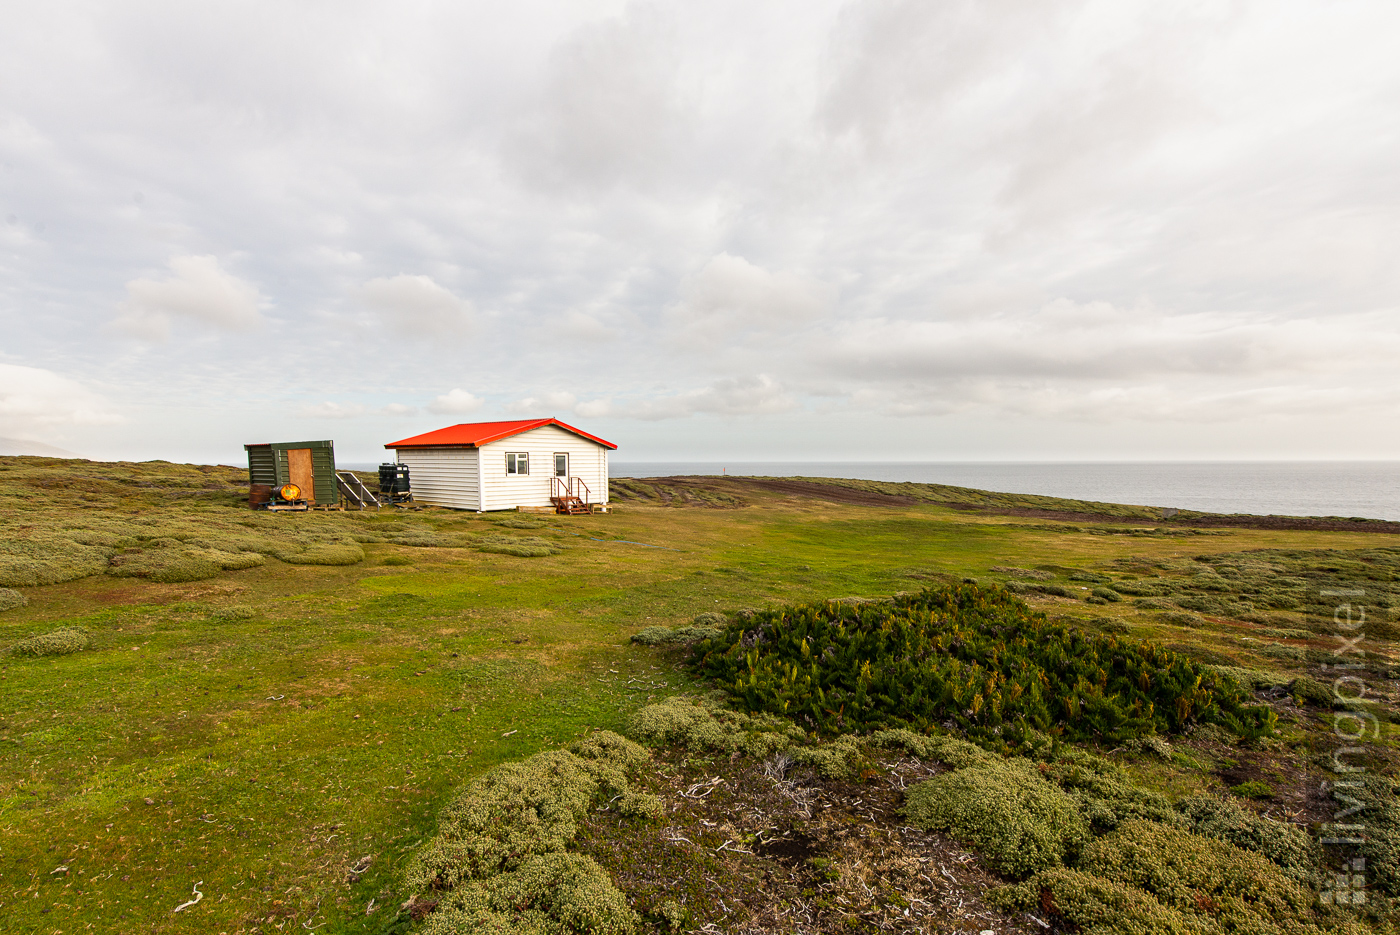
x=442, y=476
x=587, y=460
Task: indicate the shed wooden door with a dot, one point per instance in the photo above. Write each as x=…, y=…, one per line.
x=299, y=472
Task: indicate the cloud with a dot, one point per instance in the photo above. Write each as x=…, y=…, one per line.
x=330, y=410
x=738, y=396
x=399, y=409
x=730, y=295
x=34, y=401
x=199, y=290
x=608, y=110
x=1071, y=341
x=543, y=404
x=456, y=402
x=415, y=306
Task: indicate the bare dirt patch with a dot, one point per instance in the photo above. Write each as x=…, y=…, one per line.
x=749, y=847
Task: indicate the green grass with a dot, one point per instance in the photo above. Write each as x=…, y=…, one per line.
x=267, y=729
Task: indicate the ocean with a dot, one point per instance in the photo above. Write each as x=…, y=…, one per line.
x=1368, y=489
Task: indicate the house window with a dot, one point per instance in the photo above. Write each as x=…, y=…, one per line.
x=517, y=462
x=561, y=464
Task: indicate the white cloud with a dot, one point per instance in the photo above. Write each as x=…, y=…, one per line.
x=738, y=396
x=34, y=402
x=731, y=296
x=415, y=306
x=399, y=409
x=544, y=404
x=456, y=402
x=330, y=410
x=199, y=290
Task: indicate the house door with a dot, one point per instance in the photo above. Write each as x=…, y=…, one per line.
x=299, y=472
x=561, y=464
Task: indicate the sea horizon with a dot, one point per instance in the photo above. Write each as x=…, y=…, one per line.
x=1353, y=488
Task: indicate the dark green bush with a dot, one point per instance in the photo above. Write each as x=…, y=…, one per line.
x=1107, y=594
x=976, y=656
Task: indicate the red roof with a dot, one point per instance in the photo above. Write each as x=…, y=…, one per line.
x=476, y=434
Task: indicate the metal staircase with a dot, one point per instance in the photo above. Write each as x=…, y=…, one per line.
x=354, y=491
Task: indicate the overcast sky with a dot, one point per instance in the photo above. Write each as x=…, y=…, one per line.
x=866, y=230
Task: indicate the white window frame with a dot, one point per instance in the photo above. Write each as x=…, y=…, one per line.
x=515, y=460
x=557, y=456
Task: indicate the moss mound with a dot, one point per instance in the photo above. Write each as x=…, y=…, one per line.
x=656, y=636
x=978, y=657
x=171, y=563
x=522, y=546
x=549, y=894
x=323, y=553
x=1226, y=820
x=28, y=563
x=10, y=599
x=702, y=725
x=500, y=845
x=1007, y=810
x=57, y=643
x=1148, y=877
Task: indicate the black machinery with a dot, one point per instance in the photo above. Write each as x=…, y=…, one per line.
x=393, y=483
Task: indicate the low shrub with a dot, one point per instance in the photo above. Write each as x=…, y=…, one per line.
x=1006, y=809
x=521, y=809
x=10, y=599
x=549, y=894
x=324, y=553
x=1226, y=820
x=521, y=546
x=233, y=612
x=519, y=522
x=1104, y=792
x=701, y=726
x=1030, y=573
x=1253, y=678
x=27, y=563
x=655, y=636
x=59, y=642
x=1308, y=690
x=1284, y=634
x=977, y=657
x=1280, y=651
x=1107, y=594
x=1094, y=905
x=1152, y=603
x=1181, y=618
x=1254, y=789
x=1239, y=890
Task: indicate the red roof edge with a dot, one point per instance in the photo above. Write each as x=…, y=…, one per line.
x=476, y=434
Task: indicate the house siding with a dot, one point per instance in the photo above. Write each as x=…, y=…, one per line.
x=443, y=476
x=587, y=460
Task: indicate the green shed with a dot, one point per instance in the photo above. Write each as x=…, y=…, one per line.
x=309, y=465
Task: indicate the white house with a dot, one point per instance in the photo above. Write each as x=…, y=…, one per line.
x=505, y=465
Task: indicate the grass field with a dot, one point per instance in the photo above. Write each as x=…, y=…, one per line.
x=280, y=737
